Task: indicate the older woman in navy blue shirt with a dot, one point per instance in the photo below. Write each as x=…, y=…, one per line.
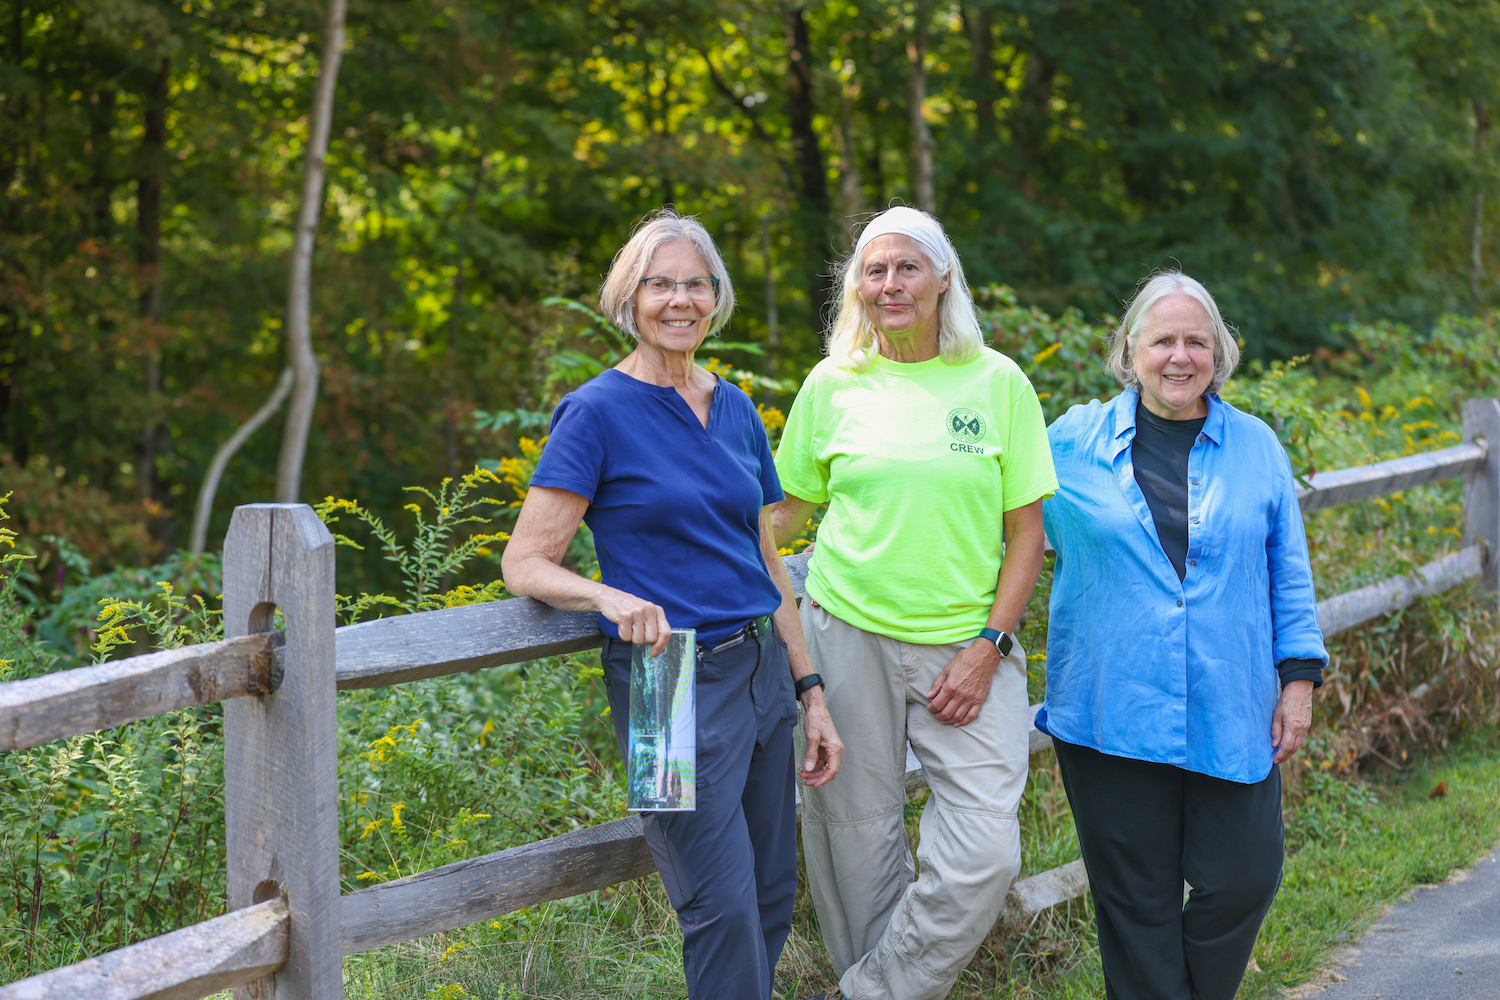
x=1182, y=650
x=669, y=465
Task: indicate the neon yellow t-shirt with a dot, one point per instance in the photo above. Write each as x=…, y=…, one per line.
x=917, y=463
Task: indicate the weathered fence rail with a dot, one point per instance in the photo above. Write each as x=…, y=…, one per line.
x=288, y=926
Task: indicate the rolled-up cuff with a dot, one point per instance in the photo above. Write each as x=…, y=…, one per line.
x=1301, y=670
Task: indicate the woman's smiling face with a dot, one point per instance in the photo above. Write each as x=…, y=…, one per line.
x=1174, y=358
x=677, y=323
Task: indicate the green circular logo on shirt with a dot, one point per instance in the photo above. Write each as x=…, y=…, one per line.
x=965, y=426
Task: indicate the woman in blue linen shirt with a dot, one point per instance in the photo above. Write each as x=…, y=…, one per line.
x=1182, y=650
x=669, y=466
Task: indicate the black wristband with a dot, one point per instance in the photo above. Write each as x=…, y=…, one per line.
x=808, y=682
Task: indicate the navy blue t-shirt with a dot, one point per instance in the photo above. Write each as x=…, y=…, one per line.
x=674, y=506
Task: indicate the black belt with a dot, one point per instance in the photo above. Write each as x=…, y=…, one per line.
x=757, y=628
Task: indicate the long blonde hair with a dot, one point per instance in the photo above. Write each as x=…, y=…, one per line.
x=852, y=341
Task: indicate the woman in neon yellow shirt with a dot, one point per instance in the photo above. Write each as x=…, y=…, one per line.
x=931, y=452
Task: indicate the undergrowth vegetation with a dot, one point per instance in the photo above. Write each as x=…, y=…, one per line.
x=115, y=836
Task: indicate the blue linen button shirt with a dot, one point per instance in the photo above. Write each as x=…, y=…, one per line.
x=1140, y=664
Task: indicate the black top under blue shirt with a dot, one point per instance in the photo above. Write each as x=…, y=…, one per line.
x=1160, y=453
x=674, y=506
x=1160, y=456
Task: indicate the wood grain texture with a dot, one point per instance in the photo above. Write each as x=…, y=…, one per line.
x=1329, y=489
x=485, y=887
x=796, y=568
x=280, y=751
x=453, y=640
x=1345, y=611
x=183, y=965
x=1482, y=487
x=1030, y=896
x=582, y=861
x=54, y=706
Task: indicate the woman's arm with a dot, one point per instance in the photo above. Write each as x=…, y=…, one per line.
x=787, y=518
x=1294, y=616
x=824, y=748
x=961, y=688
x=532, y=567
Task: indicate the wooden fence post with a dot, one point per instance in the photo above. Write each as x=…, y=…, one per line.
x=1482, y=487
x=281, y=750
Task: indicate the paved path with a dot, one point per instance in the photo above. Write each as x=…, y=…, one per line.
x=1443, y=944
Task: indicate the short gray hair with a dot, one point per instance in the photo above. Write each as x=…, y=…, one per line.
x=1123, y=340
x=617, y=294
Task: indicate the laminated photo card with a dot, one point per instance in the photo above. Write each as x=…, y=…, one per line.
x=663, y=765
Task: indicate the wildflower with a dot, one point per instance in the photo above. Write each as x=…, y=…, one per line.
x=772, y=418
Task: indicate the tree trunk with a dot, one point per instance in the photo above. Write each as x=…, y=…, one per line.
x=982, y=44
x=772, y=334
x=101, y=187
x=1033, y=119
x=205, y=506
x=813, y=203
x=916, y=95
x=450, y=424
x=852, y=185
x=1476, y=241
x=304, y=362
x=148, y=190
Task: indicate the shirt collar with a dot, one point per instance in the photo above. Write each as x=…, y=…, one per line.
x=1124, y=411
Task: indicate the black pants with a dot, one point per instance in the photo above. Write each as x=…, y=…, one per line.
x=730, y=866
x=1144, y=829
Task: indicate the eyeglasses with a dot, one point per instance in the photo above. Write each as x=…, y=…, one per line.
x=697, y=288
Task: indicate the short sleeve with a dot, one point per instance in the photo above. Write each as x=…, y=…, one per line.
x=770, y=482
x=803, y=474
x=574, y=456
x=1026, y=462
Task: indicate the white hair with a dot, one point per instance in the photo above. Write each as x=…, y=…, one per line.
x=1123, y=341
x=617, y=294
x=852, y=342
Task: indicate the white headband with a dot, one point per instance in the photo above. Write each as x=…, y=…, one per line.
x=908, y=222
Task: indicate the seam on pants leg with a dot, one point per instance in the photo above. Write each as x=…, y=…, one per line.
x=872, y=818
x=896, y=946
x=983, y=813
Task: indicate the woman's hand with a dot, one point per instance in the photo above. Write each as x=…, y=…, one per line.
x=1292, y=720
x=639, y=621
x=824, y=748
x=961, y=687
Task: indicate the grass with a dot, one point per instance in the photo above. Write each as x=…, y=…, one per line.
x=1356, y=849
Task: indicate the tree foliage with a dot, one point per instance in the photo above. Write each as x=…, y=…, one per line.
x=1316, y=161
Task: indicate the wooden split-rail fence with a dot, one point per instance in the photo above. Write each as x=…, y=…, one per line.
x=288, y=926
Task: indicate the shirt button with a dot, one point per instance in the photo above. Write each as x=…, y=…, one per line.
x=1179, y=604
x=1195, y=520
x=1195, y=482
x=1193, y=562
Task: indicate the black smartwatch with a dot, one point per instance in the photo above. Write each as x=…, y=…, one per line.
x=1002, y=640
x=809, y=682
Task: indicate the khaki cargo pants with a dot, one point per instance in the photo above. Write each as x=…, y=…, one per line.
x=887, y=935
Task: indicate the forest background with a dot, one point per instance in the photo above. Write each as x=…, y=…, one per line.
x=1315, y=161
x=1328, y=168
